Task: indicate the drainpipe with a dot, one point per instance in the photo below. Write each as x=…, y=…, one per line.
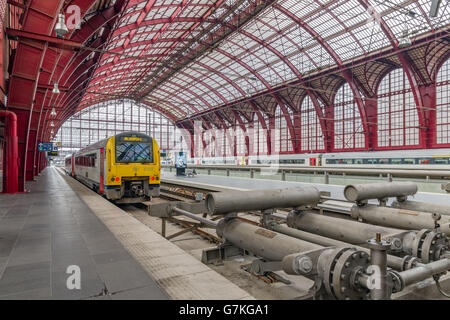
x=12, y=153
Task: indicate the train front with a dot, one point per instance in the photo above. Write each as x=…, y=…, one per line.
x=133, y=168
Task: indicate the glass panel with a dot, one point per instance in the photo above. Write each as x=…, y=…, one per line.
x=134, y=152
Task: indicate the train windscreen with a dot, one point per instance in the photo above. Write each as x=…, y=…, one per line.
x=134, y=150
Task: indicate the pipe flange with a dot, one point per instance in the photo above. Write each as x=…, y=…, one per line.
x=397, y=281
x=329, y=264
x=347, y=264
x=409, y=262
x=432, y=246
x=417, y=245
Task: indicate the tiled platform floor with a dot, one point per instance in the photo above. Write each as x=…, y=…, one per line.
x=45, y=231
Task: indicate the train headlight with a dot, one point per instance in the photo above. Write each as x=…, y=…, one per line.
x=118, y=179
x=153, y=178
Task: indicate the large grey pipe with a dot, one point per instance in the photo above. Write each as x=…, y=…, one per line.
x=400, y=218
x=240, y=201
x=393, y=261
x=264, y=243
x=360, y=192
x=442, y=209
x=340, y=229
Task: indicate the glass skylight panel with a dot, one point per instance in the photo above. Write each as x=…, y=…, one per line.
x=346, y=47
x=371, y=38
x=301, y=8
x=283, y=45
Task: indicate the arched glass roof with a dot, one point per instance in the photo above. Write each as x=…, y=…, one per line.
x=189, y=56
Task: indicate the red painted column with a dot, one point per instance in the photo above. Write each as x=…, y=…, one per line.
x=271, y=136
x=297, y=131
x=428, y=133
x=372, y=113
x=12, y=154
x=329, y=124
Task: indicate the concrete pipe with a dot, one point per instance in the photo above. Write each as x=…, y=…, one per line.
x=340, y=229
x=400, y=218
x=239, y=201
x=442, y=209
x=264, y=243
x=360, y=192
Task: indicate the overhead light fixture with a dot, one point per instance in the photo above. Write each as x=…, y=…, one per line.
x=61, y=28
x=52, y=124
x=434, y=11
x=53, y=113
x=405, y=40
x=55, y=89
x=52, y=132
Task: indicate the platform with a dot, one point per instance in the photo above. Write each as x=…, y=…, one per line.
x=222, y=183
x=62, y=223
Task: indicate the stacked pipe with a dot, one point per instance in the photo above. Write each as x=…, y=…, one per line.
x=240, y=201
x=340, y=273
x=392, y=217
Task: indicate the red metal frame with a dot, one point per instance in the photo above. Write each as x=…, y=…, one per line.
x=160, y=46
x=12, y=155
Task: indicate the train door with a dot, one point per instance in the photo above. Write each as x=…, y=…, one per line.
x=313, y=162
x=72, y=161
x=101, y=165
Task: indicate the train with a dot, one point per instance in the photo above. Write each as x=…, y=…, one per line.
x=125, y=168
x=412, y=159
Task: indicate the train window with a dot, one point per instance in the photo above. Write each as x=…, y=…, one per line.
x=441, y=160
x=134, y=152
x=409, y=161
x=396, y=161
x=358, y=161
x=86, y=161
x=383, y=161
x=425, y=161
x=344, y=161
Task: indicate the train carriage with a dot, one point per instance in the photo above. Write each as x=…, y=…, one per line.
x=124, y=168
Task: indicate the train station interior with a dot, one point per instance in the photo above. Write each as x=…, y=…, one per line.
x=226, y=150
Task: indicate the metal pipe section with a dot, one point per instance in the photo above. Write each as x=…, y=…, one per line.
x=392, y=261
x=442, y=209
x=336, y=228
x=12, y=152
x=361, y=192
x=262, y=242
x=207, y=222
x=378, y=259
x=239, y=201
x=425, y=271
x=400, y=218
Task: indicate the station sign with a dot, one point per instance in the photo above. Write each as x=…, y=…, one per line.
x=45, y=146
